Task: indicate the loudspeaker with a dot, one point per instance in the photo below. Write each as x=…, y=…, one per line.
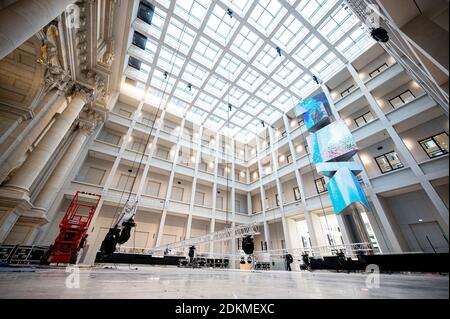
x=248, y=245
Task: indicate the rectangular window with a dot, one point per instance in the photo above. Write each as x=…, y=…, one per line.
x=134, y=63
x=297, y=194
x=289, y=158
x=277, y=200
x=140, y=40
x=402, y=99
x=237, y=206
x=153, y=188
x=146, y=11
x=219, y=202
x=177, y=194
x=389, y=162
x=379, y=70
x=364, y=119
x=125, y=182
x=347, y=91
x=436, y=146
x=199, y=199
x=321, y=186
x=162, y=153
x=95, y=176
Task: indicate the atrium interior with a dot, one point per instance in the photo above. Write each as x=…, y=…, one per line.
x=174, y=134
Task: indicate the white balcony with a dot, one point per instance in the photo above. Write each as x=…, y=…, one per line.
x=419, y=105
x=119, y=119
x=105, y=148
x=385, y=76
x=435, y=168
x=368, y=130
x=349, y=99
x=318, y=201
x=394, y=180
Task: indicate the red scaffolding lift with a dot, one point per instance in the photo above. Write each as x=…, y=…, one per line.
x=73, y=229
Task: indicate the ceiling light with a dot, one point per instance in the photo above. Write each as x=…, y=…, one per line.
x=299, y=148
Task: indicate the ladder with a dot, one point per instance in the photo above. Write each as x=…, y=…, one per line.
x=221, y=235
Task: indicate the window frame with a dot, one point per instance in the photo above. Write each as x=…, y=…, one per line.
x=444, y=152
x=389, y=162
x=297, y=194
x=372, y=75
x=324, y=185
x=364, y=118
x=399, y=96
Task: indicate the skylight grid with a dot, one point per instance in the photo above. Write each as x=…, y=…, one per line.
x=310, y=51
x=195, y=74
x=162, y=83
x=216, y=86
x=287, y=73
x=290, y=34
x=238, y=96
x=267, y=60
x=254, y=106
x=206, y=52
x=192, y=11
x=356, y=43
x=269, y=91
x=179, y=36
x=208, y=73
x=315, y=10
x=241, y=6
x=247, y=43
x=221, y=26
x=267, y=14
x=251, y=80
x=206, y=102
x=170, y=61
x=337, y=24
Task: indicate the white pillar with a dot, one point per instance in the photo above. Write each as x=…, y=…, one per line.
x=11, y=156
x=50, y=191
x=37, y=160
x=24, y=18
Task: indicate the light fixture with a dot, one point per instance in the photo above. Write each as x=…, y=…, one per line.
x=211, y=164
x=282, y=158
x=334, y=95
x=193, y=159
x=130, y=139
x=293, y=123
x=299, y=148
x=348, y=122
x=242, y=174
x=380, y=35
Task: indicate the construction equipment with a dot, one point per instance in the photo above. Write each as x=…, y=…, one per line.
x=73, y=229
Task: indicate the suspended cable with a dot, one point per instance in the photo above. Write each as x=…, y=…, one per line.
x=229, y=110
x=165, y=84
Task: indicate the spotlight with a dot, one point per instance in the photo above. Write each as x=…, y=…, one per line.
x=189, y=87
x=166, y=75
x=380, y=35
x=230, y=13
x=279, y=51
x=316, y=79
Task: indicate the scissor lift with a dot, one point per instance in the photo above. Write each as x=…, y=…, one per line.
x=73, y=229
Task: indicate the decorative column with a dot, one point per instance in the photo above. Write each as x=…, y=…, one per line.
x=37, y=160
x=24, y=18
x=87, y=124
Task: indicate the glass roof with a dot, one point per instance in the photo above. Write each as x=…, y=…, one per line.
x=198, y=60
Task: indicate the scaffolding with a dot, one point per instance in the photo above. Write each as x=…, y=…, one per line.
x=222, y=235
